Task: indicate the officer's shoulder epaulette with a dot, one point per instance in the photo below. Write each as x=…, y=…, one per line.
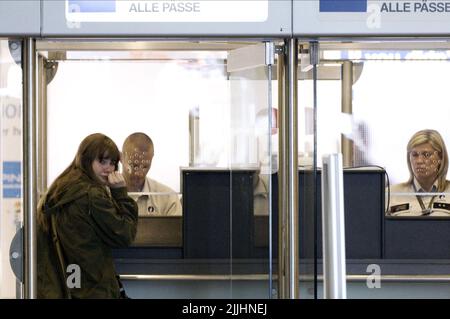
x=444, y=206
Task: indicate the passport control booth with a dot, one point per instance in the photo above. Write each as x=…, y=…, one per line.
x=283, y=128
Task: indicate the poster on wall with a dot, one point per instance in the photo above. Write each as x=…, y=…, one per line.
x=11, y=179
x=10, y=162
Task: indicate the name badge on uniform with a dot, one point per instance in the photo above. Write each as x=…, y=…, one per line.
x=399, y=208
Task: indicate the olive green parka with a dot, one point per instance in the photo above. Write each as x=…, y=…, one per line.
x=90, y=221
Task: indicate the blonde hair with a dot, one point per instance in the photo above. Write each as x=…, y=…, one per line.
x=435, y=140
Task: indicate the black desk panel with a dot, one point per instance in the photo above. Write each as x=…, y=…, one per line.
x=213, y=211
x=218, y=222
x=364, y=211
x=217, y=208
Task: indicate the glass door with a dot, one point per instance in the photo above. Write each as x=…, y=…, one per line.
x=204, y=225
x=253, y=166
x=383, y=106
x=310, y=83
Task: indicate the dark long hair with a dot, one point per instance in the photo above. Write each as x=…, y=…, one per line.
x=95, y=146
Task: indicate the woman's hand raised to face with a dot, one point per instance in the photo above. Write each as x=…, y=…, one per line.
x=116, y=180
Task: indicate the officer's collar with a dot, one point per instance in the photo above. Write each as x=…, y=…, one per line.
x=146, y=188
x=419, y=188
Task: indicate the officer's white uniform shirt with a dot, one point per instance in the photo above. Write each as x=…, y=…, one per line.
x=407, y=204
x=157, y=199
x=260, y=196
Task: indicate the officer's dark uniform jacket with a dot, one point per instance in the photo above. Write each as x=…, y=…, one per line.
x=89, y=223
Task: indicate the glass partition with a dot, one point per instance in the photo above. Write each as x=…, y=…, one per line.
x=205, y=205
x=315, y=111
x=11, y=189
x=383, y=106
x=253, y=131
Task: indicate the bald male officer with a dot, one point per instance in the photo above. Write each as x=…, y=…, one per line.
x=157, y=199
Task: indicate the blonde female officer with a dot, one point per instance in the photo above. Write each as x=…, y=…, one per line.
x=427, y=192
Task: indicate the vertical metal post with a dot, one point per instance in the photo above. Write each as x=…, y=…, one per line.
x=41, y=178
x=29, y=168
x=347, y=108
x=314, y=60
x=288, y=179
x=282, y=205
x=333, y=228
x=293, y=169
x=270, y=61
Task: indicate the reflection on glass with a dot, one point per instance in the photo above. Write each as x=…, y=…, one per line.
x=149, y=91
x=427, y=191
x=261, y=194
x=266, y=133
x=361, y=144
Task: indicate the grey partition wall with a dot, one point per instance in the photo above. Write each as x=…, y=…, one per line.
x=417, y=238
x=368, y=17
x=19, y=18
x=167, y=18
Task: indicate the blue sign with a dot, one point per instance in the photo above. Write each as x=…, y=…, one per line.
x=343, y=6
x=12, y=180
x=98, y=6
